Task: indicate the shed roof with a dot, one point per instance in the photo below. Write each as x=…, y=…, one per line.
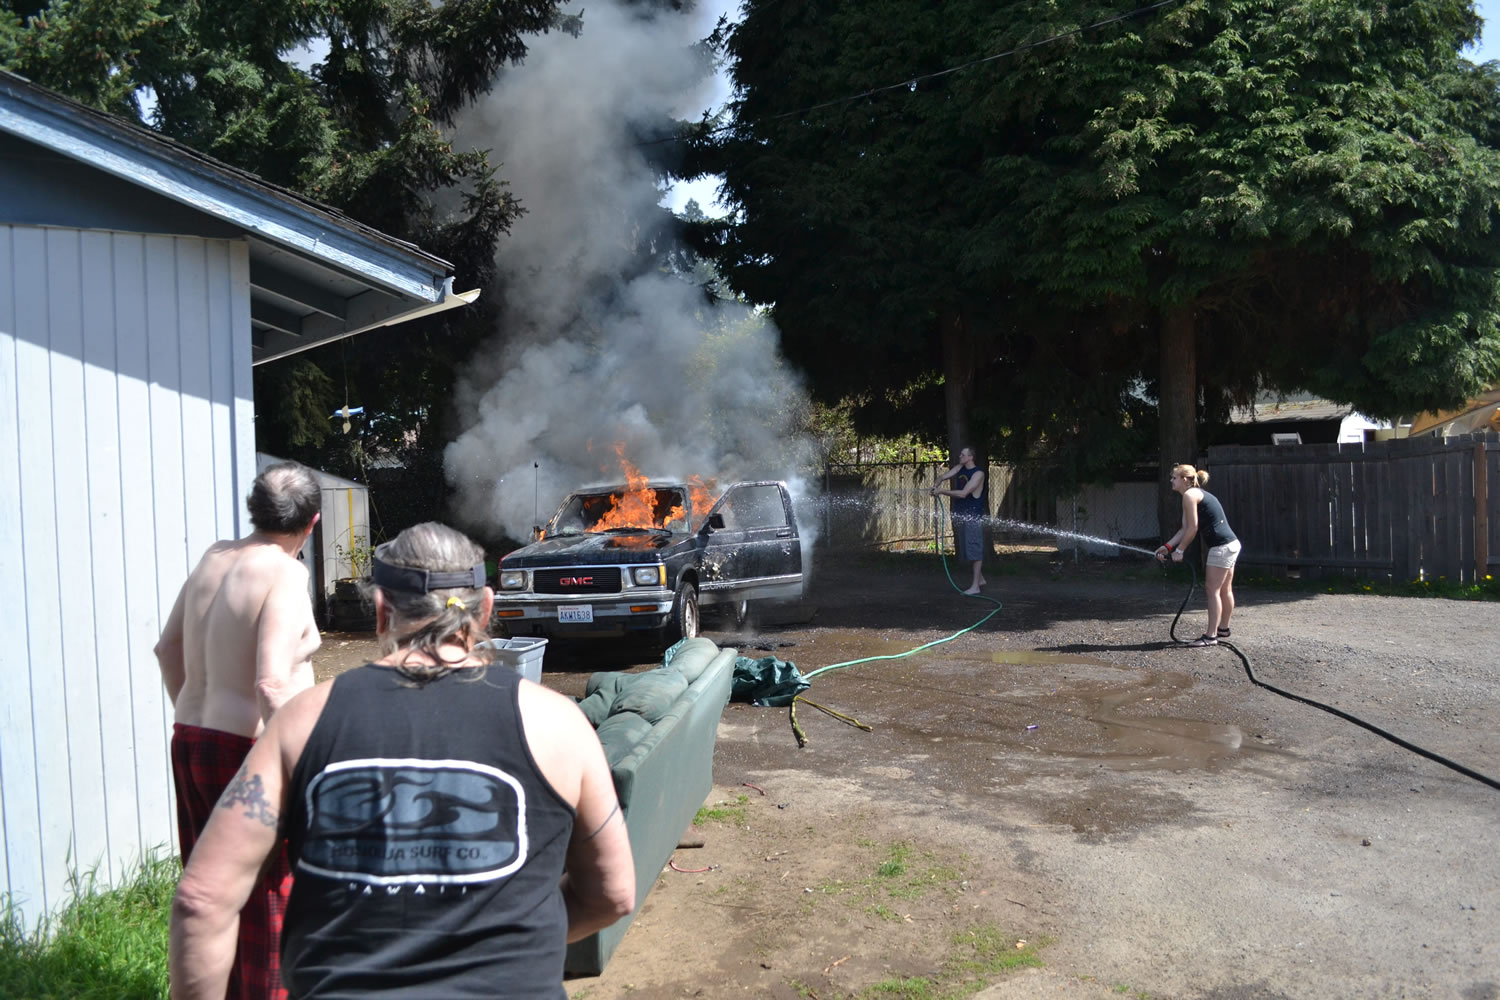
x=316, y=274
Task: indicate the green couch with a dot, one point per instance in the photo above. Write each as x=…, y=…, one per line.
x=663, y=769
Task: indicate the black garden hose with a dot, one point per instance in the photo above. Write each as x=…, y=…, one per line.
x=1250, y=673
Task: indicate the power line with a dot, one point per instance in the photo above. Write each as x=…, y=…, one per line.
x=910, y=83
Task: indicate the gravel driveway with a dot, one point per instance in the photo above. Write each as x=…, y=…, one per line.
x=1161, y=827
x=1169, y=829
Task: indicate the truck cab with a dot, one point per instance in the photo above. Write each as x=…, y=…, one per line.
x=646, y=558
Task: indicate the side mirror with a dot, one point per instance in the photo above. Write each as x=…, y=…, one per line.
x=716, y=522
x=536, y=532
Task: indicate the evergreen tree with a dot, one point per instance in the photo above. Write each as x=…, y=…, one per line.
x=1215, y=196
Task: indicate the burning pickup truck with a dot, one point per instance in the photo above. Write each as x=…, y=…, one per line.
x=646, y=556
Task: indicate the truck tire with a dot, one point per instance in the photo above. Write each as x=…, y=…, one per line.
x=684, y=623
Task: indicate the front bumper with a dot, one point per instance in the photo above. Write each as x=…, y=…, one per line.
x=642, y=609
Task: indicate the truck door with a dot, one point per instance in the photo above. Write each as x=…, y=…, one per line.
x=757, y=554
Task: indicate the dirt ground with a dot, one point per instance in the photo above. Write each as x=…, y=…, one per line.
x=1063, y=786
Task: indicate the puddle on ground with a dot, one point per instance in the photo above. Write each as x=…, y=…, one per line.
x=981, y=722
x=1026, y=656
x=1052, y=706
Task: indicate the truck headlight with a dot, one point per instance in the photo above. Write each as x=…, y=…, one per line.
x=646, y=576
x=513, y=579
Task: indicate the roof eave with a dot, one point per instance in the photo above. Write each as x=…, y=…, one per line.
x=238, y=198
x=276, y=344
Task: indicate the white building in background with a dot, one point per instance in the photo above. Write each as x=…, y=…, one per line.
x=139, y=282
x=1302, y=418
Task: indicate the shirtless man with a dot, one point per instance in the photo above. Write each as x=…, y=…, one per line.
x=236, y=647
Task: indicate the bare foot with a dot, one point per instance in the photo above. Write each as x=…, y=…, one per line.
x=971, y=592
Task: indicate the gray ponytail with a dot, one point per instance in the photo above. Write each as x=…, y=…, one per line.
x=425, y=621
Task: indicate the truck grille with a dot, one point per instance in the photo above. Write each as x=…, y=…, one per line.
x=605, y=580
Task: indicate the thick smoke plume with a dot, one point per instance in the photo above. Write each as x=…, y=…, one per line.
x=591, y=353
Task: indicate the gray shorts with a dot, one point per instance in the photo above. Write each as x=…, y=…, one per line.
x=1223, y=556
x=968, y=539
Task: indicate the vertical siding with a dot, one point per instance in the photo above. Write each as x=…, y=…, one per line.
x=138, y=720
x=242, y=408
x=78, y=671
x=219, y=291
x=102, y=458
x=169, y=505
x=47, y=721
x=121, y=405
x=19, y=861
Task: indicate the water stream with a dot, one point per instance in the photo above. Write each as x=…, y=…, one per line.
x=920, y=512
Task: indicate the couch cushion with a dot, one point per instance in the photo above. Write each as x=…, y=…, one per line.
x=595, y=707
x=690, y=656
x=620, y=734
x=606, y=681
x=649, y=694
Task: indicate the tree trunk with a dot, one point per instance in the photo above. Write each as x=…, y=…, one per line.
x=958, y=398
x=958, y=379
x=1177, y=407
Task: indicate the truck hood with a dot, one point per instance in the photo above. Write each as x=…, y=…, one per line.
x=598, y=549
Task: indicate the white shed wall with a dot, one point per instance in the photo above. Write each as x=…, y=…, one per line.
x=127, y=446
x=346, y=529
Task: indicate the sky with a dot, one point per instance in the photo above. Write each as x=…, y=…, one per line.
x=1489, y=43
x=704, y=191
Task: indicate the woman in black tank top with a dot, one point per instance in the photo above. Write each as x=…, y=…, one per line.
x=1202, y=512
x=453, y=825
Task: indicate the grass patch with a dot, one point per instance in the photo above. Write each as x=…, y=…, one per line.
x=895, y=865
x=722, y=812
x=902, y=875
x=977, y=956
x=107, y=944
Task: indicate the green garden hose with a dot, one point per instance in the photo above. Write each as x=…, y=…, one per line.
x=937, y=541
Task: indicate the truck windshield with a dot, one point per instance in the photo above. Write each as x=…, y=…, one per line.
x=621, y=510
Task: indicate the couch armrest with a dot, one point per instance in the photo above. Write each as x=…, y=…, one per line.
x=662, y=782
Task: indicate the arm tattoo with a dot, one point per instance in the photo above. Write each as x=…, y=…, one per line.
x=246, y=789
x=600, y=828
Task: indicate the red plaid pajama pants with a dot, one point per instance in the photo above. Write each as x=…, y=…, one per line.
x=204, y=761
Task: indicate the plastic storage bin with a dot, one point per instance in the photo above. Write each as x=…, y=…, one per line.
x=522, y=655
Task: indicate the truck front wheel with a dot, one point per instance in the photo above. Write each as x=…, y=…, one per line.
x=684, y=624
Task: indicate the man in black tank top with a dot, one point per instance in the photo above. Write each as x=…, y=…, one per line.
x=451, y=825
x=967, y=513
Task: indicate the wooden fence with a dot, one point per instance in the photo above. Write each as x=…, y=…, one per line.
x=887, y=504
x=1419, y=508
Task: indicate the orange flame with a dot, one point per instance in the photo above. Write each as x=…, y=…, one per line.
x=636, y=507
x=702, y=494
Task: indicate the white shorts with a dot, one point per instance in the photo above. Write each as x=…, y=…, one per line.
x=1223, y=556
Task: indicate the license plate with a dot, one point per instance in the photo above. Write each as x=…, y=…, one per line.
x=575, y=613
